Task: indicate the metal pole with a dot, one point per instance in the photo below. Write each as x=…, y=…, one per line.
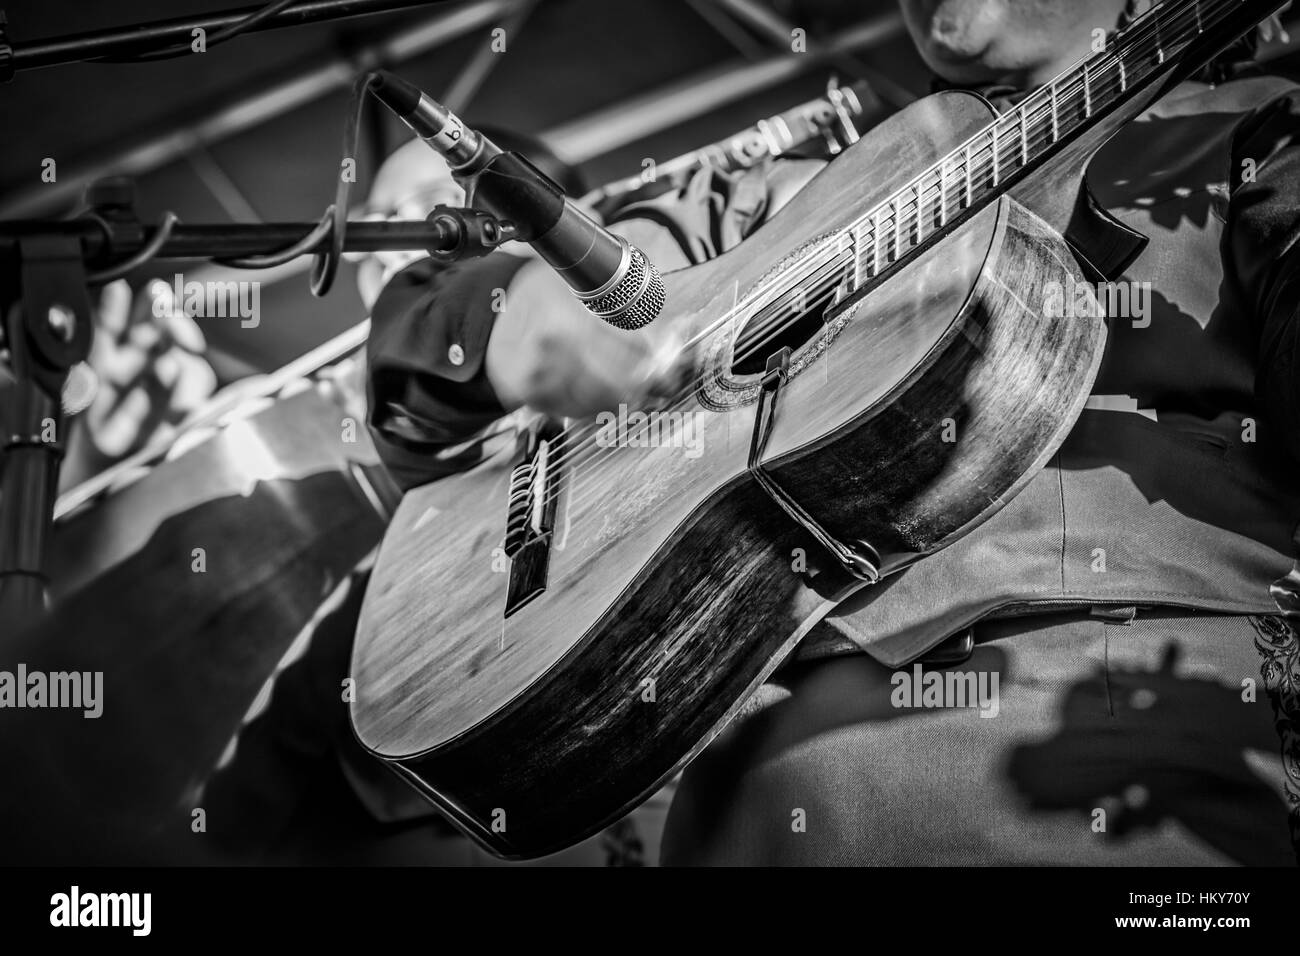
x=473, y=75
x=161, y=34
x=636, y=118
x=255, y=110
x=778, y=31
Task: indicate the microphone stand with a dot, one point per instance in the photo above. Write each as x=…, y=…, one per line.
x=45, y=274
x=47, y=332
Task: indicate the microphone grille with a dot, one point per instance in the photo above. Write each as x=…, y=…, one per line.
x=636, y=299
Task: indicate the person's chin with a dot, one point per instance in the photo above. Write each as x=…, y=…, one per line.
x=959, y=65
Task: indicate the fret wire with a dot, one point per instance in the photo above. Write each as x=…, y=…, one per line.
x=857, y=255
x=943, y=193
x=845, y=240
x=1087, y=93
x=897, y=226
x=920, y=210
x=966, y=167
x=1196, y=6
x=1056, y=129
x=995, y=153
x=875, y=244
x=1024, y=135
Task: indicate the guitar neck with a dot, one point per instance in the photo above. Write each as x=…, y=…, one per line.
x=1167, y=44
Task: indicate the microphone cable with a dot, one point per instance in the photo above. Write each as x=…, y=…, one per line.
x=221, y=36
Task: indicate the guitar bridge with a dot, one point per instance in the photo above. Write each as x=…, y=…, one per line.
x=530, y=518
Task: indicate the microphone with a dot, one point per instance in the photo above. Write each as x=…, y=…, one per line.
x=611, y=277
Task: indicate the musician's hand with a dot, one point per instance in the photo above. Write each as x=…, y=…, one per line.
x=549, y=353
x=150, y=375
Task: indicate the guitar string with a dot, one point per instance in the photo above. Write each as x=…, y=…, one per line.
x=1027, y=118
x=1027, y=114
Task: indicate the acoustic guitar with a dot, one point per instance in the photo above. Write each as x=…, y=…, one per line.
x=550, y=636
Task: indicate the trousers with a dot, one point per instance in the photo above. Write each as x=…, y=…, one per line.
x=1170, y=740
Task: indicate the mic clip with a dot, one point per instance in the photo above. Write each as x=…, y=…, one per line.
x=466, y=233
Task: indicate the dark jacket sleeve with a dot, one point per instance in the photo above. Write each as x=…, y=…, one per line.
x=428, y=392
x=710, y=212
x=1264, y=237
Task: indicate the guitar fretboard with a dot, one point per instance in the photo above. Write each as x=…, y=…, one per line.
x=1022, y=138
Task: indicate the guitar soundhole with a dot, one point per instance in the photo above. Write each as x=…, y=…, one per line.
x=798, y=307
x=764, y=334
x=809, y=282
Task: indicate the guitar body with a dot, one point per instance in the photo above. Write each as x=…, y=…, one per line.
x=675, y=584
